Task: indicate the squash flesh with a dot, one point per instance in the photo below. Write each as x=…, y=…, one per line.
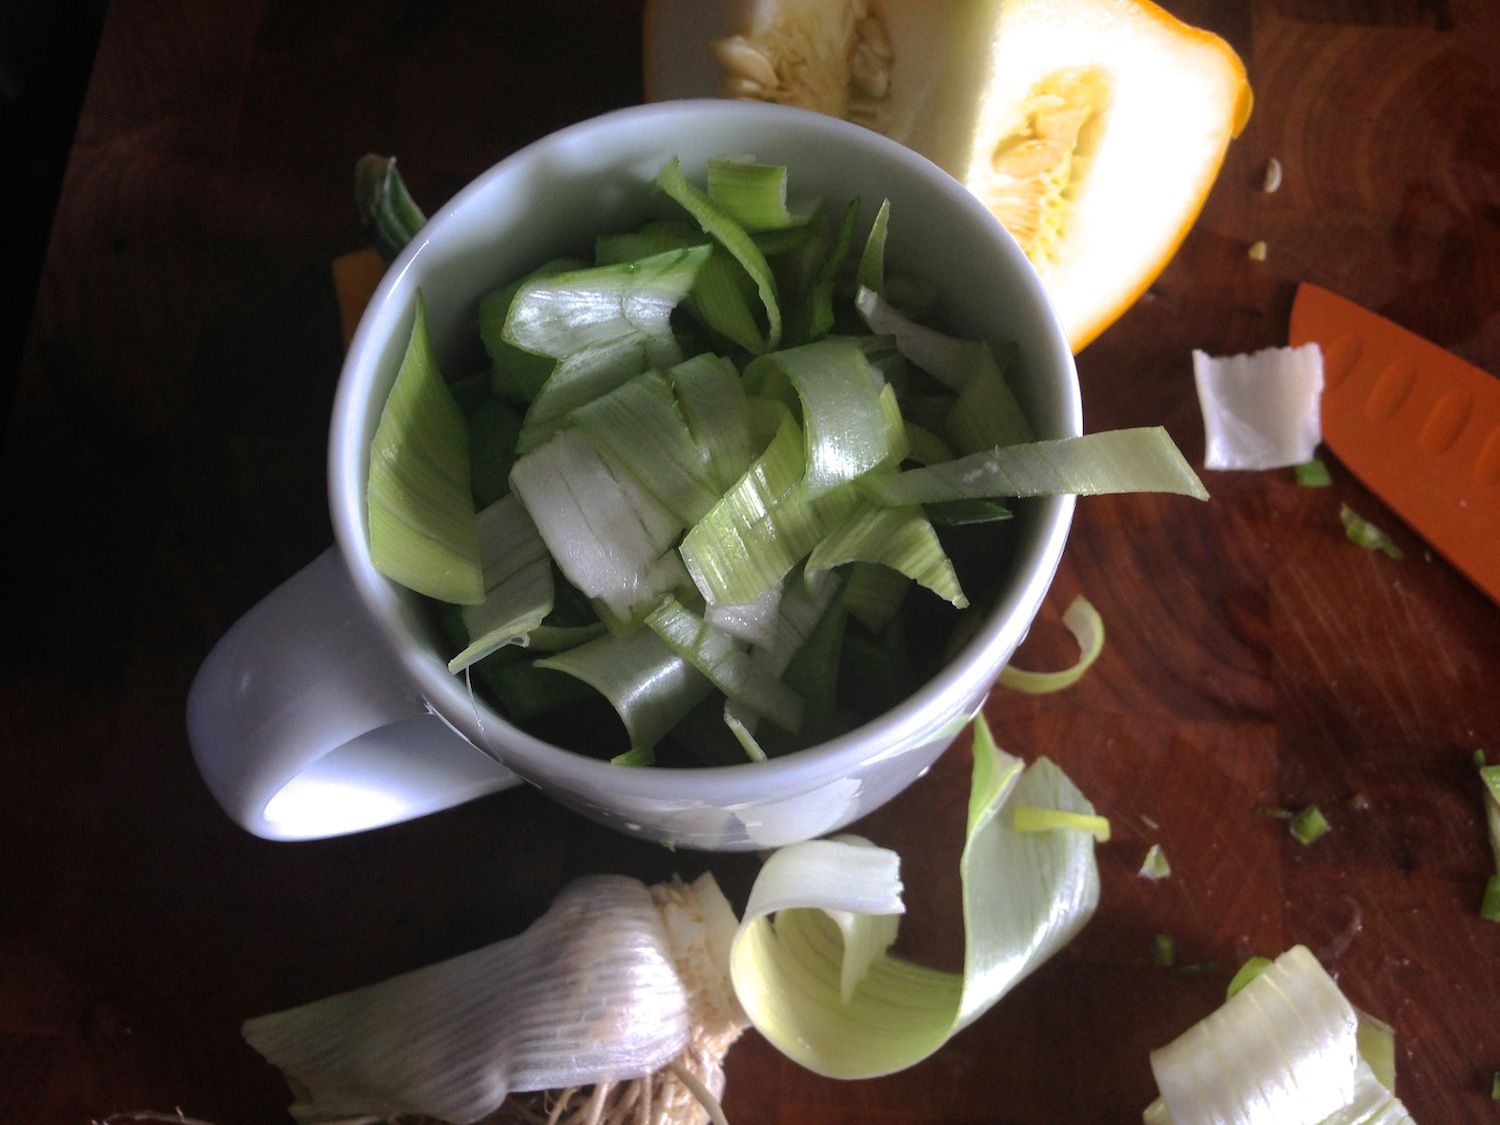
x=1093, y=129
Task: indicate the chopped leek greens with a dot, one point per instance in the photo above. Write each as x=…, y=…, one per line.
x=1251, y=969
x=1308, y=825
x=1362, y=533
x=871, y=273
x=1489, y=908
x=1087, y=627
x=729, y=234
x=1027, y=818
x=704, y=470
x=753, y=195
x=422, y=521
x=1155, y=865
x=1313, y=474
x=1164, y=950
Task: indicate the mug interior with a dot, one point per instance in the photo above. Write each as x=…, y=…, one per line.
x=551, y=199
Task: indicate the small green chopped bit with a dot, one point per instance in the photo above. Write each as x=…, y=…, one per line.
x=1271, y=812
x=1155, y=865
x=1479, y=758
x=1164, y=950
x=1248, y=972
x=1490, y=775
x=1362, y=533
x=1308, y=825
x=640, y=756
x=1196, y=968
x=1027, y=818
x=1313, y=474
x=1489, y=909
x=1495, y=1087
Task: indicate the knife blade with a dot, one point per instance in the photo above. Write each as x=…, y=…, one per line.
x=1419, y=426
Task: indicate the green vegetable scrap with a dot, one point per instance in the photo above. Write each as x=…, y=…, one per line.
x=1362, y=533
x=703, y=472
x=1308, y=825
x=1490, y=777
x=1029, y=819
x=1251, y=969
x=1155, y=865
x=1313, y=474
x=1164, y=950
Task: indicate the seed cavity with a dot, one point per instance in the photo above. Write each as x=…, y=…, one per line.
x=1037, y=169
x=835, y=58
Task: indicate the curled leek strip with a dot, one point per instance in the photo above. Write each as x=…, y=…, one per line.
x=1025, y=896
x=1087, y=627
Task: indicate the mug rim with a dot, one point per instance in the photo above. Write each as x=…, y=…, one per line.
x=931, y=707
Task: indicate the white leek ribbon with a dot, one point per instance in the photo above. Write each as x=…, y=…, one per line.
x=1284, y=1050
x=1025, y=896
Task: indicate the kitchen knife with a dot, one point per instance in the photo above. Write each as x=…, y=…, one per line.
x=1419, y=426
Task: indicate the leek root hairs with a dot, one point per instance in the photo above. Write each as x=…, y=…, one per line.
x=684, y=1092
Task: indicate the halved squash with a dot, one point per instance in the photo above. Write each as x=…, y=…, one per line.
x=1093, y=129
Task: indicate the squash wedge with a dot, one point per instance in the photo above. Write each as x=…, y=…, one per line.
x=1092, y=129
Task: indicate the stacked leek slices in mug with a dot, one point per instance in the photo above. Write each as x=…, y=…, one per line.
x=703, y=473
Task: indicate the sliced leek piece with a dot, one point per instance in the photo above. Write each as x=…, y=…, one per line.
x=602, y=325
x=762, y=527
x=726, y=665
x=1139, y=460
x=871, y=272
x=1281, y=1049
x=421, y=510
x=517, y=580
x=606, y=534
x=650, y=687
x=1260, y=410
x=733, y=238
x=753, y=195
x=899, y=538
x=639, y=430
x=713, y=404
x=844, y=423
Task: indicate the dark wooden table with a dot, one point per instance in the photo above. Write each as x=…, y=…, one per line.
x=164, y=468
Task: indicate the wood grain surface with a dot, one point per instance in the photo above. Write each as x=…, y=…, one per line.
x=164, y=464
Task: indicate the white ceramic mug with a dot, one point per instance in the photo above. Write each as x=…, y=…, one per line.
x=329, y=708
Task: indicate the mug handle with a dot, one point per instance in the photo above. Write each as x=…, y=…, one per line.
x=304, y=725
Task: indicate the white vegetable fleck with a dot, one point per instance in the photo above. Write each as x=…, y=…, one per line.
x=1260, y=411
x=1273, y=176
